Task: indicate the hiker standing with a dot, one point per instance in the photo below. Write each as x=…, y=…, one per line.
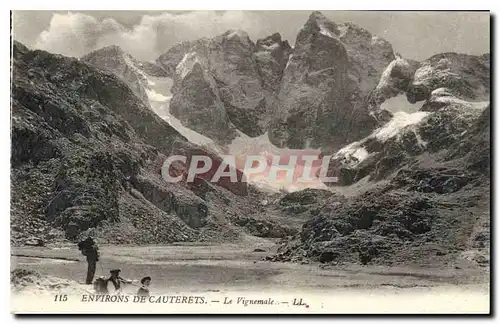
x=91, y=251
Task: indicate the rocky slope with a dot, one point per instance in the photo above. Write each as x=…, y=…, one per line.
x=433, y=206
x=86, y=158
x=435, y=211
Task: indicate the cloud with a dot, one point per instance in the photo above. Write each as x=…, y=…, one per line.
x=76, y=34
x=148, y=34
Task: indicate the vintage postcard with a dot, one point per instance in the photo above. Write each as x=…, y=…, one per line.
x=250, y=162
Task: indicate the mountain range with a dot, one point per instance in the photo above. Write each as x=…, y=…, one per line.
x=409, y=142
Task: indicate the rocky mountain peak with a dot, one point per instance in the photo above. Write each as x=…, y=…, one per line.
x=466, y=75
x=325, y=86
x=272, y=56
x=110, y=51
x=318, y=22
x=269, y=40
x=272, y=43
x=113, y=59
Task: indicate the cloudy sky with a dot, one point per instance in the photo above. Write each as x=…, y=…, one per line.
x=147, y=34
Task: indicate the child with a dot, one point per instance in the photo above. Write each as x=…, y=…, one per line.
x=144, y=290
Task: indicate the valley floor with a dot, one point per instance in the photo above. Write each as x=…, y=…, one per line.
x=237, y=269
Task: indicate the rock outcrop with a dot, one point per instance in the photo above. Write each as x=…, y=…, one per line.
x=169, y=60
x=434, y=211
x=395, y=80
x=272, y=55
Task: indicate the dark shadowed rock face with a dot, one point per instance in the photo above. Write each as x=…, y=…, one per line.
x=322, y=99
x=197, y=104
x=474, y=145
x=272, y=56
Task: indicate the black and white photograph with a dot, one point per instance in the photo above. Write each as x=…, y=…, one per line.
x=250, y=162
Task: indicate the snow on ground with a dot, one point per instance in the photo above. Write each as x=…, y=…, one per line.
x=155, y=96
x=29, y=282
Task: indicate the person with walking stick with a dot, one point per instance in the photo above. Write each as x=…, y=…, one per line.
x=116, y=281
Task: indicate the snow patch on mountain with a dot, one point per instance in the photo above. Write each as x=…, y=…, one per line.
x=420, y=141
x=445, y=97
x=237, y=33
x=155, y=96
x=288, y=62
x=186, y=64
x=356, y=152
x=158, y=90
x=133, y=65
x=399, y=121
x=324, y=31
